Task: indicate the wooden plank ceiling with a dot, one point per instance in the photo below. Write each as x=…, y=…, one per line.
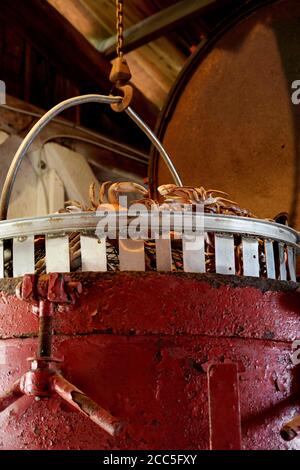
x=155, y=65
x=53, y=49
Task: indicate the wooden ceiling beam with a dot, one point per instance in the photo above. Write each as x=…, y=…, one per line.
x=50, y=33
x=156, y=25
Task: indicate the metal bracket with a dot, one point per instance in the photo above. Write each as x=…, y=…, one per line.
x=43, y=380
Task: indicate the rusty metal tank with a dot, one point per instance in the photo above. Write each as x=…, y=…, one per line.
x=229, y=122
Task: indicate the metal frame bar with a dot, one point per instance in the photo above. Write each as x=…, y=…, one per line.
x=82, y=221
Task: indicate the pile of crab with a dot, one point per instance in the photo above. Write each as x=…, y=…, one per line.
x=168, y=197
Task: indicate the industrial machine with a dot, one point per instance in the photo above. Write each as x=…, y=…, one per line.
x=184, y=336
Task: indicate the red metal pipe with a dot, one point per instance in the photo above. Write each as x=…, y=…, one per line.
x=291, y=429
x=12, y=395
x=85, y=405
x=224, y=407
x=46, y=310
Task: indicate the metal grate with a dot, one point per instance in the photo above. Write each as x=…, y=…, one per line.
x=229, y=245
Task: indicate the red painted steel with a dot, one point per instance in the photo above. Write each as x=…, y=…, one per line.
x=291, y=429
x=141, y=344
x=85, y=405
x=42, y=380
x=224, y=407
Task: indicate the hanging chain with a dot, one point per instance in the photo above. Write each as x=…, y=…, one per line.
x=120, y=73
x=120, y=28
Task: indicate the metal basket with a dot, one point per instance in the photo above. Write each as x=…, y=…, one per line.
x=262, y=243
x=266, y=249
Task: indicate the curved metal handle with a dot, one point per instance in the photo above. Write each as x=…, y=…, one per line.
x=146, y=129
x=37, y=128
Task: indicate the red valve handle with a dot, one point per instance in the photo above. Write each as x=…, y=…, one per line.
x=41, y=381
x=56, y=383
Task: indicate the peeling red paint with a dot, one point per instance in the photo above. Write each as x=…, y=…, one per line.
x=144, y=357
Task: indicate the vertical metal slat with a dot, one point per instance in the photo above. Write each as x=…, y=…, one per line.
x=23, y=256
x=282, y=261
x=57, y=254
x=193, y=254
x=224, y=247
x=131, y=255
x=270, y=260
x=250, y=257
x=292, y=263
x=93, y=254
x=163, y=254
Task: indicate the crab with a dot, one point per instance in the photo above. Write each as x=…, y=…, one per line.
x=108, y=197
x=214, y=201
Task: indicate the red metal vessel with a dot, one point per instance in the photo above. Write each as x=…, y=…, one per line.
x=147, y=355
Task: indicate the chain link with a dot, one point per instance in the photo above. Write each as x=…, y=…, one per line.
x=120, y=73
x=120, y=28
